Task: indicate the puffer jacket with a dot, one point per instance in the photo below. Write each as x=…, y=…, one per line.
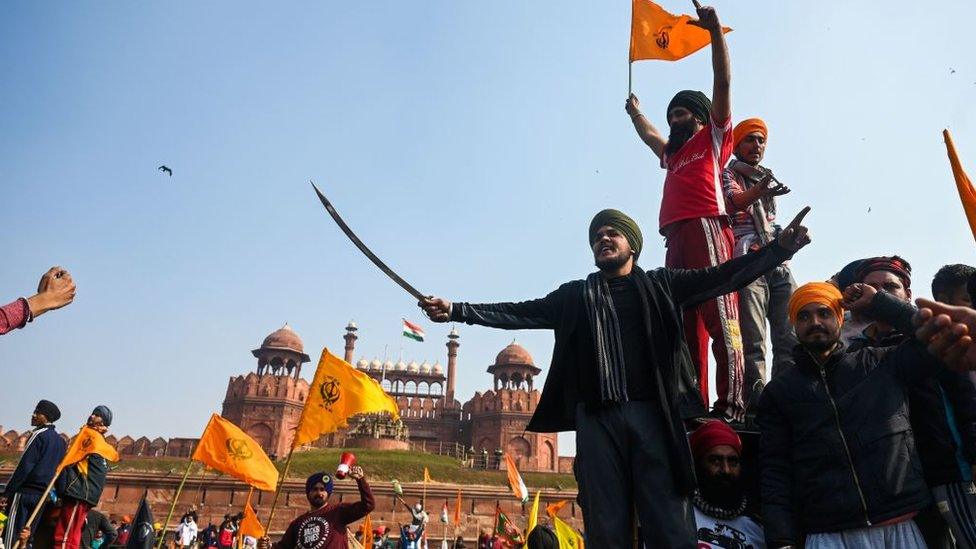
x=836, y=446
x=72, y=485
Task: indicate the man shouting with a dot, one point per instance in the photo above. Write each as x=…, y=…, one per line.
x=621, y=375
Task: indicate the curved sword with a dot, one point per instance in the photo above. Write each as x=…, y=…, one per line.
x=363, y=248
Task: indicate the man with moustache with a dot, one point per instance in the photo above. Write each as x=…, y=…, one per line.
x=621, y=376
x=722, y=511
x=693, y=217
x=750, y=198
x=838, y=464
x=324, y=526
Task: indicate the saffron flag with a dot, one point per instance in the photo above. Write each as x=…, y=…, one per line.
x=533, y=514
x=555, y=508
x=515, y=480
x=338, y=392
x=250, y=525
x=457, y=510
x=412, y=331
x=368, y=532
x=427, y=476
x=967, y=194
x=507, y=531
x=226, y=448
x=657, y=34
x=87, y=442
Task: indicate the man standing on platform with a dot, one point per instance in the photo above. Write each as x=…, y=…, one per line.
x=750, y=197
x=324, y=527
x=693, y=217
x=78, y=492
x=43, y=452
x=621, y=376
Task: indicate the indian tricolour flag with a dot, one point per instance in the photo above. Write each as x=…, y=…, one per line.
x=412, y=331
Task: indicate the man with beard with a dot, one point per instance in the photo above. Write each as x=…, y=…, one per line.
x=943, y=417
x=693, y=216
x=837, y=454
x=750, y=197
x=37, y=466
x=621, y=376
x=324, y=527
x=720, y=502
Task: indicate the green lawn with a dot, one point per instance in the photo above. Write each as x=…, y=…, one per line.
x=383, y=465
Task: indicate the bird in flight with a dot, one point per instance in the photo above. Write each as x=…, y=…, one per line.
x=165, y=169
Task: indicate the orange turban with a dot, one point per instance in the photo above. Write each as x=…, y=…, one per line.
x=817, y=292
x=747, y=126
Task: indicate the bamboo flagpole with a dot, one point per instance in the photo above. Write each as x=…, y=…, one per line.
x=172, y=507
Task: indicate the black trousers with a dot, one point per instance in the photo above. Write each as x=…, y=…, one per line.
x=621, y=462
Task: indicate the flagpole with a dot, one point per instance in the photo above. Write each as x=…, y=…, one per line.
x=281, y=482
x=37, y=509
x=630, y=62
x=179, y=490
x=630, y=78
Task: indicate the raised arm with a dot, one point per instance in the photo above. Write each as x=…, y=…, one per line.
x=540, y=313
x=721, y=66
x=645, y=130
x=351, y=512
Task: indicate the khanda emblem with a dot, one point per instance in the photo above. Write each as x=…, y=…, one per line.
x=330, y=391
x=663, y=37
x=238, y=448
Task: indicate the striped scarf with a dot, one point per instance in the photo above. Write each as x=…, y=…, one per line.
x=606, y=338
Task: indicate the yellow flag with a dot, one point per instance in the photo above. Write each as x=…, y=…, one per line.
x=965, y=187
x=657, y=34
x=567, y=536
x=224, y=447
x=533, y=514
x=87, y=442
x=338, y=392
x=250, y=525
x=427, y=476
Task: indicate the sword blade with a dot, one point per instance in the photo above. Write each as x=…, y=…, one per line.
x=365, y=249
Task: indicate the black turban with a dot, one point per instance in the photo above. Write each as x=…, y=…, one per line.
x=49, y=409
x=103, y=412
x=695, y=101
x=623, y=223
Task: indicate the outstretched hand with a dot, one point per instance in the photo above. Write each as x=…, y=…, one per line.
x=795, y=235
x=945, y=329
x=707, y=18
x=436, y=309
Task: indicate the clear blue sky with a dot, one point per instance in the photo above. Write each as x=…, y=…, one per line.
x=468, y=143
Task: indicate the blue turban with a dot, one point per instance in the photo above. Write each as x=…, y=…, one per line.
x=103, y=412
x=322, y=477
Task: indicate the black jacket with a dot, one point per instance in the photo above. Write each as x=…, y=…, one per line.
x=72, y=485
x=836, y=445
x=938, y=406
x=97, y=522
x=39, y=462
x=667, y=292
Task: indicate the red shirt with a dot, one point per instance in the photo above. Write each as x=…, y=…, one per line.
x=693, y=185
x=325, y=528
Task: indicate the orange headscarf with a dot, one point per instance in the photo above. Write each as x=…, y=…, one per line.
x=817, y=292
x=747, y=126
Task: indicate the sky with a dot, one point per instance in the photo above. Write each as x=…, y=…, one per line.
x=468, y=144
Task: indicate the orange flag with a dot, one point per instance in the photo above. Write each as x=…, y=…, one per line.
x=338, y=392
x=515, y=480
x=967, y=194
x=554, y=508
x=657, y=34
x=457, y=510
x=250, y=525
x=427, y=476
x=87, y=442
x=224, y=447
x=368, y=532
